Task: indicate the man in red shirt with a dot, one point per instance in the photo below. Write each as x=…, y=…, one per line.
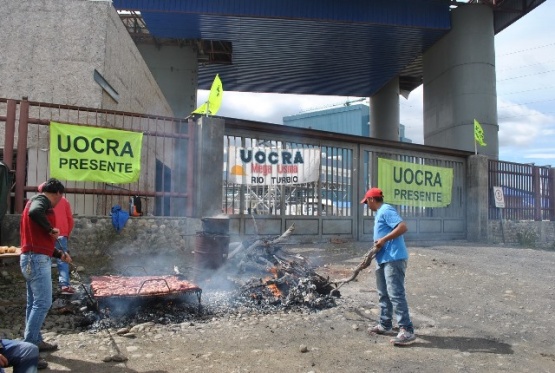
x=64, y=222
x=38, y=235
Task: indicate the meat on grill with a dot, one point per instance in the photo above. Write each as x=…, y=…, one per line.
x=123, y=286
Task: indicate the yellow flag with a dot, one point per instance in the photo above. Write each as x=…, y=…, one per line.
x=214, y=102
x=479, y=133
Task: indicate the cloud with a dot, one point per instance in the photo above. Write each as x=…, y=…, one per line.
x=411, y=115
x=549, y=155
x=271, y=107
x=521, y=126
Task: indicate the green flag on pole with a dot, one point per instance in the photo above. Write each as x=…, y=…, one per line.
x=214, y=102
x=479, y=133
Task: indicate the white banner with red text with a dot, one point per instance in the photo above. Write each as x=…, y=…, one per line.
x=273, y=166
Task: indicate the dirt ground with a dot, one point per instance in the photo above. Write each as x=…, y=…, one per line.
x=475, y=309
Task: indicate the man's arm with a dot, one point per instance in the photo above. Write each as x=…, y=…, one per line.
x=399, y=230
x=37, y=212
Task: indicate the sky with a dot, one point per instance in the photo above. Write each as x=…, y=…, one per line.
x=525, y=69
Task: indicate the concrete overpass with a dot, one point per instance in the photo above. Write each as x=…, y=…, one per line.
x=379, y=49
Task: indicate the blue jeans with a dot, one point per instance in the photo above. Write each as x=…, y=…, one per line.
x=36, y=269
x=63, y=267
x=22, y=356
x=390, y=283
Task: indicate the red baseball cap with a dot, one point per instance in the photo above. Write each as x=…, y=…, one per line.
x=372, y=193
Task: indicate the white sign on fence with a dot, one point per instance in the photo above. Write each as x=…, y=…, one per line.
x=498, y=197
x=272, y=166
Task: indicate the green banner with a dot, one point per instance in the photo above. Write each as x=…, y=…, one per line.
x=94, y=154
x=411, y=184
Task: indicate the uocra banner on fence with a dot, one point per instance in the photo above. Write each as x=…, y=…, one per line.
x=411, y=184
x=271, y=166
x=94, y=154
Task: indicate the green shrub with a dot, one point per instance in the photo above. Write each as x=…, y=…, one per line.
x=527, y=238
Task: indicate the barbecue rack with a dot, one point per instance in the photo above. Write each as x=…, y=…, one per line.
x=142, y=287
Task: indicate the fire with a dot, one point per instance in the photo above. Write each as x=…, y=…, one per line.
x=272, y=286
x=275, y=290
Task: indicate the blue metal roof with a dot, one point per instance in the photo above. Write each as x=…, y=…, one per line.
x=323, y=47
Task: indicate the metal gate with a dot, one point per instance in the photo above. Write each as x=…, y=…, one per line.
x=424, y=223
x=330, y=208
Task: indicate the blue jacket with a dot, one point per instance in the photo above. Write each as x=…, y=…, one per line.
x=119, y=217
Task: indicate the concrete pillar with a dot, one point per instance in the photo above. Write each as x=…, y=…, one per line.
x=175, y=69
x=384, y=112
x=459, y=83
x=477, y=199
x=209, y=167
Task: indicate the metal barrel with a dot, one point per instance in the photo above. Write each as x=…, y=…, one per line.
x=210, y=250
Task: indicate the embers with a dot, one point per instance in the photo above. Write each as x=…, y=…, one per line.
x=269, y=275
x=274, y=290
x=272, y=284
x=292, y=283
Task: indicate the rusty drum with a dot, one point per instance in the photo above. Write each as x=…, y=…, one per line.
x=210, y=250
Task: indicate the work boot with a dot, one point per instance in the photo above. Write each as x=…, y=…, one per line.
x=45, y=346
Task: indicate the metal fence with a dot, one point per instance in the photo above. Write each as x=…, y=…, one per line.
x=347, y=168
x=331, y=195
x=455, y=210
x=528, y=191
x=167, y=165
x=330, y=206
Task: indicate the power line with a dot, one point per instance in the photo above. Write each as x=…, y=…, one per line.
x=531, y=55
x=525, y=76
x=528, y=90
x=522, y=115
x=523, y=66
x=527, y=103
x=528, y=49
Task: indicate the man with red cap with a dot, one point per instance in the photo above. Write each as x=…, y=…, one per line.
x=391, y=264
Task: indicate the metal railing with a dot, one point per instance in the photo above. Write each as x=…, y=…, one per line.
x=167, y=161
x=528, y=191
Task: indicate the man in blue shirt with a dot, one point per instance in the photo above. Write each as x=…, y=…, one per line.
x=391, y=264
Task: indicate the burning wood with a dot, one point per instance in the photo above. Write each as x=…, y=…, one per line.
x=277, y=277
